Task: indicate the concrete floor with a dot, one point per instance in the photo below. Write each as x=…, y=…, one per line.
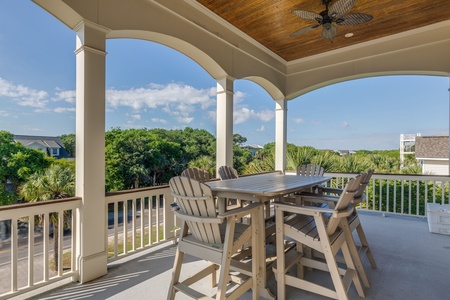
x=412, y=264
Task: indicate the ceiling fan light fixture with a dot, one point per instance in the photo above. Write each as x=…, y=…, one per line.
x=329, y=32
x=337, y=13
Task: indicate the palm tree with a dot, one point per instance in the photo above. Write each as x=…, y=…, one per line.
x=298, y=156
x=206, y=163
x=56, y=182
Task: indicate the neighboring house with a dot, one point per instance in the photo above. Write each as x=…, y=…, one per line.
x=53, y=146
x=407, y=145
x=345, y=152
x=252, y=147
x=432, y=154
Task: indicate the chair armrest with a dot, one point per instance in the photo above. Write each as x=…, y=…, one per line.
x=313, y=211
x=303, y=210
x=330, y=190
x=317, y=198
x=186, y=217
x=240, y=212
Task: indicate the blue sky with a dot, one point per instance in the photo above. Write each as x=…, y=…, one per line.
x=152, y=86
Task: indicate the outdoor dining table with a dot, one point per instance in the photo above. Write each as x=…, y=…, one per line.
x=262, y=188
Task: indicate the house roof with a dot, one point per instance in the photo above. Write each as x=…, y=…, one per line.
x=431, y=147
x=46, y=141
x=252, y=146
x=49, y=142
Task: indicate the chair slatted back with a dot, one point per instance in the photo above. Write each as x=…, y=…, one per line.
x=195, y=199
x=310, y=170
x=197, y=174
x=365, y=179
x=344, y=201
x=226, y=172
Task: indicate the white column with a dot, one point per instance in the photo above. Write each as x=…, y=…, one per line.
x=224, y=130
x=90, y=150
x=280, y=134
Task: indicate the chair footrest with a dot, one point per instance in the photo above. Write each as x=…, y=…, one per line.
x=348, y=278
x=190, y=292
x=292, y=257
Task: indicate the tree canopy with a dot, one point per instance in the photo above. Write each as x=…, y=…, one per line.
x=17, y=164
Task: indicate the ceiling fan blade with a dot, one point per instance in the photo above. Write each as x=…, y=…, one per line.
x=354, y=19
x=307, y=15
x=340, y=8
x=304, y=30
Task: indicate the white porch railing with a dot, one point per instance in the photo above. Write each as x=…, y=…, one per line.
x=25, y=261
x=138, y=219
x=142, y=218
x=400, y=194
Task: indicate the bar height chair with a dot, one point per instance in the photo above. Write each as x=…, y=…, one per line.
x=216, y=238
x=320, y=229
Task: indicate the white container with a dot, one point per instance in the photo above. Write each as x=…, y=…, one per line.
x=439, y=218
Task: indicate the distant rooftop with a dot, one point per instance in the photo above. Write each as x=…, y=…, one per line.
x=253, y=146
x=52, y=145
x=432, y=146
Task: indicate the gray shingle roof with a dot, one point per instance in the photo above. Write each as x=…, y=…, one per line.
x=432, y=147
x=49, y=142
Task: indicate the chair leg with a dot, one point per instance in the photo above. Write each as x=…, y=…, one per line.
x=354, y=253
x=224, y=275
x=255, y=254
x=365, y=243
x=350, y=265
x=175, y=273
x=281, y=263
x=334, y=272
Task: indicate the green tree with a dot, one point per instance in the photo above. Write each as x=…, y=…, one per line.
x=204, y=162
x=239, y=139
x=69, y=142
x=327, y=159
x=17, y=163
x=298, y=156
x=56, y=182
x=353, y=164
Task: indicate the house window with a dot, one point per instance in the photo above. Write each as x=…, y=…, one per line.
x=54, y=151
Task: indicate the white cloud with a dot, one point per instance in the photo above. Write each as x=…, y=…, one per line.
x=261, y=129
x=345, y=124
x=244, y=114
x=22, y=95
x=178, y=100
x=238, y=97
x=67, y=96
x=299, y=121
x=184, y=120
x=136, y=117
x=4, y=113
x=64, y=109
x=171, y=95
x=157, y=120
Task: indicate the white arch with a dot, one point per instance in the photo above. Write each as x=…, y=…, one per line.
x=362, y=76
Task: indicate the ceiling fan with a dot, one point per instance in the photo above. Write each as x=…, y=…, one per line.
x=337, y=13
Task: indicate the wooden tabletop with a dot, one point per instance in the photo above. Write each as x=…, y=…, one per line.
x=263, y=187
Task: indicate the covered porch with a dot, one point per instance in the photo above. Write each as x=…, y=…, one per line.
x=412, y=264
x=228, y=51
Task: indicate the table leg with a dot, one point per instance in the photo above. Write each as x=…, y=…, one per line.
x=263, y=276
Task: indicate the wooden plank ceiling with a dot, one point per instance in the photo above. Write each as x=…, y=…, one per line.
x=271, y=22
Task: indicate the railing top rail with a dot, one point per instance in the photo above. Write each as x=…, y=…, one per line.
x=133, y=191
x=422, y=177
x=40, y=203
